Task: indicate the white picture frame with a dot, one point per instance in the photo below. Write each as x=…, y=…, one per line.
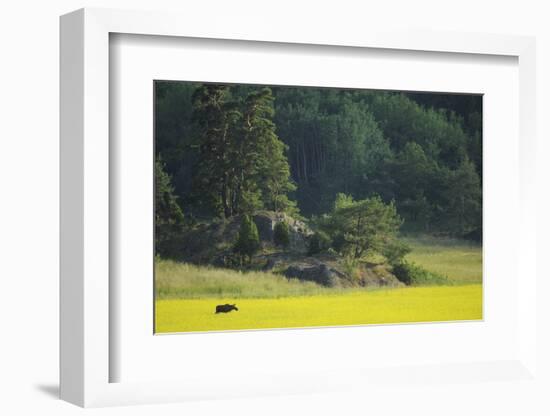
x=86, y=356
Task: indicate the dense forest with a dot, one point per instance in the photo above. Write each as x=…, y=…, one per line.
x=225, y=150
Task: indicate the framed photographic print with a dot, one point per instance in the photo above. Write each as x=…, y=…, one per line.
x=262, y=205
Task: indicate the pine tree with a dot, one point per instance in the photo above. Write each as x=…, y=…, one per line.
x=264, y=169
x=214, y=180
x=168, y=214
x=281, y=234
x=361, y=227
x=248, y=240
x=242, y=164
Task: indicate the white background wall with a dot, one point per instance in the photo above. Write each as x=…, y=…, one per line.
x=29, y=116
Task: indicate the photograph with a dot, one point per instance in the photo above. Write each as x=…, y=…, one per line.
x=299, y=206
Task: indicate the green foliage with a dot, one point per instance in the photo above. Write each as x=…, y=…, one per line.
x=242, y=166
x=175, y=133
x=414, y=275
x=439, y=132
x=395, y=251
x=248, y=240
x=415, y=175
x=215, y=116
x=335, y=144
x=281, y=234
x=365, y=143
x=263, y=156
x=463, y=197
x=168, y=214
x=361, y=227
x=233, y=150
x=342, y=201
x=319, y=242
x=351, y=267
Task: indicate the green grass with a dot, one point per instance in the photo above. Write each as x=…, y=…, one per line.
x=179, y=280
x=460, y=261
x=410, y=304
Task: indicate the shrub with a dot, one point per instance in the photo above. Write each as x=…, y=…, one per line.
x=395, y=252
x=351, y=268
x=414, y=275
x=281, y=234
x=248, y=240
x=318, y=243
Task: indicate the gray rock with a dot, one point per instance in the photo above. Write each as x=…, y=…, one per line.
x=320, y=274
x=265, y=226
x=298, y=230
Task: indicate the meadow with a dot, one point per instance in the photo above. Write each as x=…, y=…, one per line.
x=186, y=295
x=182, y=280
x=459, y=260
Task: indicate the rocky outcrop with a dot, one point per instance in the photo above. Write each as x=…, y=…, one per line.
x=265, y=226
x=212, y=243
x=321, y=274
x=328, y=270
x=374, y=275
x=298, y=230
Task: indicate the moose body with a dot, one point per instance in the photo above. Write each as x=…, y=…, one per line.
x=226, y=308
